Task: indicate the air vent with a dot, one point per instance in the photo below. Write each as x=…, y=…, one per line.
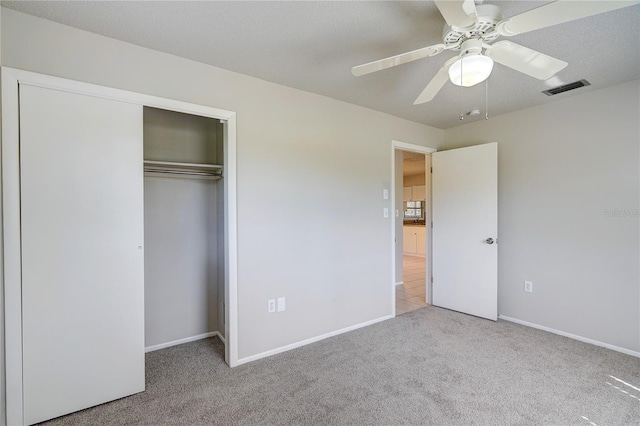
x=566, y=87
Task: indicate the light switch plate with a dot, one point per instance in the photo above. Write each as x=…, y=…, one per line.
x=281, y=305
x=385, y=194
x=385, y=212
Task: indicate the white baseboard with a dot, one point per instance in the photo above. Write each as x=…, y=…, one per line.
x=311, y=340
x=571, y=336
x=400, y=283
x=185, y=340
x=222, y=339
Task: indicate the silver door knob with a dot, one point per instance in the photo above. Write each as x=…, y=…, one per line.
x=489, y=241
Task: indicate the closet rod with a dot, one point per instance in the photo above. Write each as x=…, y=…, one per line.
x=177, y=165
x=181, y=172
x=213, y=171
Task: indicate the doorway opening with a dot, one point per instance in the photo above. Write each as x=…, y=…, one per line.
x=411, y=182
x=411, y=291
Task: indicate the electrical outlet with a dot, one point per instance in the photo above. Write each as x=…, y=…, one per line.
x=281, y=305
x=528, y=286
x=271, y=306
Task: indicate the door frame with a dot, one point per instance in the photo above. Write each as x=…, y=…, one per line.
x=10, y=250
x=403, y=146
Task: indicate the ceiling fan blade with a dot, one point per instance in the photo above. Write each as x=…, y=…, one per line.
x=392, y=61
x=436, y=83
x=557, y=13
x=458, y=13
x=525, y=60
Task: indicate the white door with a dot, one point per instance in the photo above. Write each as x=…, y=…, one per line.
x=82, y=258
x=465, y=230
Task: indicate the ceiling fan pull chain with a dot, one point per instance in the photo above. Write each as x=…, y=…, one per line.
x=461, y=79
x=486, y=99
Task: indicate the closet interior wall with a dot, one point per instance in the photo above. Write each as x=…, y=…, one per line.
x=184, y=231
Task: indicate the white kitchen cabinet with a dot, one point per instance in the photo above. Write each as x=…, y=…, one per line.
x=419, y=193
x=409, y=239
x=414, y=193
x=414, y=240
x=407, y=193
x=421, y=240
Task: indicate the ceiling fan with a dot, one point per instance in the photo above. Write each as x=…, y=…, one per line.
x=470, y=28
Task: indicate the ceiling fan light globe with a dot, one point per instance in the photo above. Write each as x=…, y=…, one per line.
x=476, y=69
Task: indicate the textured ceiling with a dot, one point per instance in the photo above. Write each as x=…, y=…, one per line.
x=313, y=45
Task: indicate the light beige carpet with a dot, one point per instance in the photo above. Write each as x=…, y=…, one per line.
x=427, y=367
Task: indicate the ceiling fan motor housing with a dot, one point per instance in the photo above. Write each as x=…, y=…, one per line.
x=484, y=29
x=471, y=46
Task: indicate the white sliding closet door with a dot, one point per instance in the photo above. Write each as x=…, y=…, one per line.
x=82, y=258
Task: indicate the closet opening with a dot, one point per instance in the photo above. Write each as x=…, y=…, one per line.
x=184, y=285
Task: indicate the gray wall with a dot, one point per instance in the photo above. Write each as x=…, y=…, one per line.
x=2, y=366
x=181, y=287
x=303, y=161
x=561, y=167
x=181, y=230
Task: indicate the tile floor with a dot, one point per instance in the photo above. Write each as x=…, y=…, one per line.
x=411, y=294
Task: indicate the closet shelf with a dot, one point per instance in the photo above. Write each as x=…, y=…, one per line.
x=190, y=169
